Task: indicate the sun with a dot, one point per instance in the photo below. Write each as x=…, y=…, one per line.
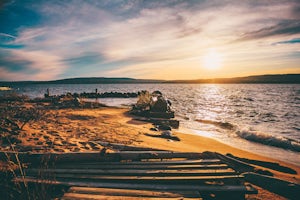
x=212, y=60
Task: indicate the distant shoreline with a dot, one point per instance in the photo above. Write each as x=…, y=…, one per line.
x=261, y=79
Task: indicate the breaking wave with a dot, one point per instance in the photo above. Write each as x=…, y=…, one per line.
x=270, y=140
x=256, y=136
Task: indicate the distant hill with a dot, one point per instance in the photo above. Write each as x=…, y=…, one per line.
x=103, y=80
x=89, y=80
x=282, y=78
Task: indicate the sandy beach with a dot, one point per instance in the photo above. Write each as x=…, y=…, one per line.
x=83, y=129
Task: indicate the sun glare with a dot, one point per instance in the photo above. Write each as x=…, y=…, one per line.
x=212, y=60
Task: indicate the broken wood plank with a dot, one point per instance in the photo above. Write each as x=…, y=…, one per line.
x=238, y=165
x=284, y=188
x=156, y=166
x=144, y=172
x=156, y=162
x=95, y=156
x=137, y=186
x=125, y=147
x=230, y=179
x=75, y=196
x=132, y=192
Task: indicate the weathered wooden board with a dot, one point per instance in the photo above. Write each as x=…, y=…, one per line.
x=125, y=166
x=131, y=193
x=95, y=156
x=132, y=172
x=157, y=187
x=138, y=174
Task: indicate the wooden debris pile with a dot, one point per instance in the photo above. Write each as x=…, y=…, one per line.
x=135, y=174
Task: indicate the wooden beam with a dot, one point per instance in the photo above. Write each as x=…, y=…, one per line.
x=155, y=162
x=229, y=179
x=284, y=188
x=95, y=156
x=156, y=166
x=132, y=172
x=131, y=192
x=157, y=187
x=76, y=196
x=123, y=147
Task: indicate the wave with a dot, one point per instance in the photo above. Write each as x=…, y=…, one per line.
x=224, y=125
x=270, y=140
x=256, y=136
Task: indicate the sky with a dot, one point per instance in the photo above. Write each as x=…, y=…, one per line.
x=148, y=39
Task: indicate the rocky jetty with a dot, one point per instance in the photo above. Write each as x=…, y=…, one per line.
x=94, y=95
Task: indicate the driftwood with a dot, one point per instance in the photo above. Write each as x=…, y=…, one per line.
x=181, y=173
x=94, y=156
x=121, y=147
x=284, y=188
x=270, y=165
x=123, y=192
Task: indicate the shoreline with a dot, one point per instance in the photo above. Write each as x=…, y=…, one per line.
x=280, y=154
x=83, y=130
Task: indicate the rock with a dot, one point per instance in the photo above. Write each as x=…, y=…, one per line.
x=153, y=129
x=164, y=127
x=159, y=104
x=156, y=93
x=166, y=134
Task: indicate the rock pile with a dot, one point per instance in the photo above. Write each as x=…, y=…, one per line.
x=153, y=105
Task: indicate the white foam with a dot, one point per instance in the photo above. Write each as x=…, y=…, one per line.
x=270, y=140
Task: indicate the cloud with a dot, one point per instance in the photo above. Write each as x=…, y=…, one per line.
x=35, y=65
x=7, y=35
x=282, y=28
x=292, y=41
x=112, y=37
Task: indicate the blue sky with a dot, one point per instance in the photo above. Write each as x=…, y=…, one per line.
x=152, y=39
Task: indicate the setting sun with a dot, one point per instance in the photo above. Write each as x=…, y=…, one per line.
x=212, y=60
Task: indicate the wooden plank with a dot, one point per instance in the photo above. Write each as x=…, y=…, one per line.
x=156, y=162
x=231, y=179
x=156, y=166
x=75, y=196
x=122, y=192
x=125, y=147
x=144, y=172
x=238, y=165
x=134, y=193
x=95, y=156
x=138, y=186
x=284, y=188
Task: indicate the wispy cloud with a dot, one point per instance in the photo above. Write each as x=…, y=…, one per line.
x=292, y=41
